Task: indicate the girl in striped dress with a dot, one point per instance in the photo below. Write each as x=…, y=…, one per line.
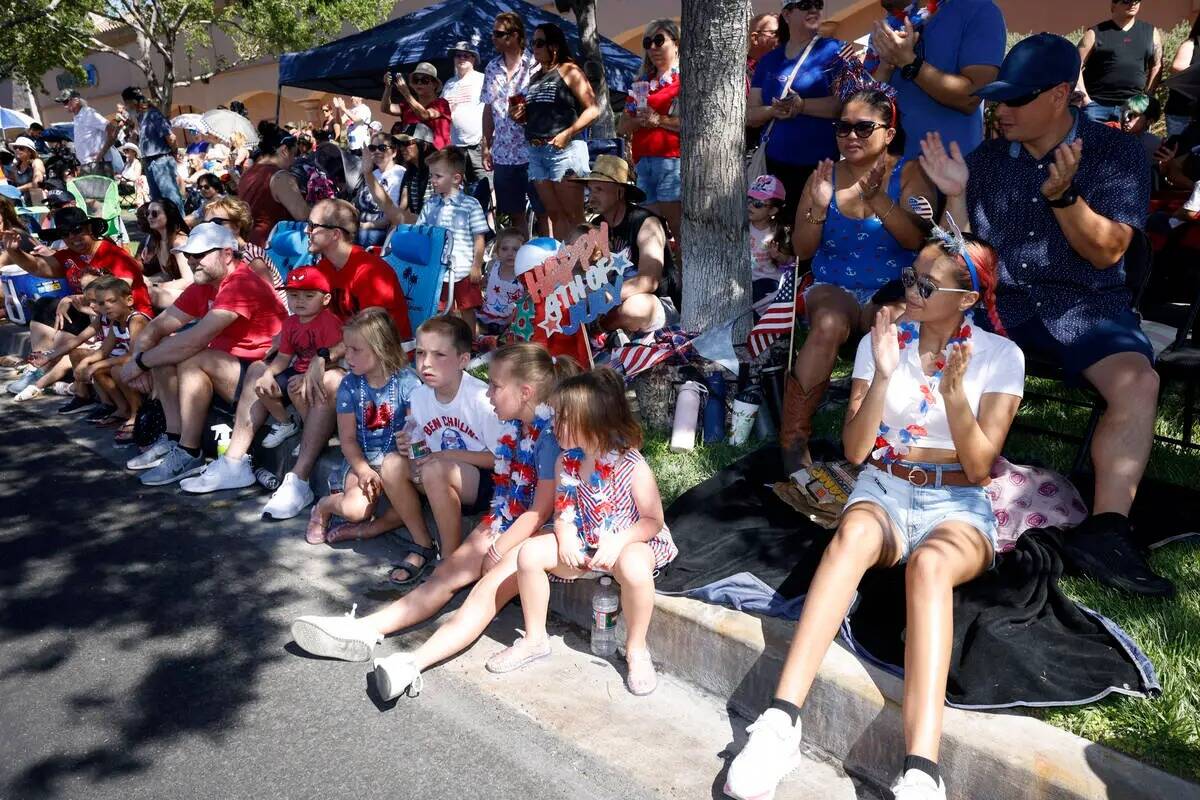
x=608, y=520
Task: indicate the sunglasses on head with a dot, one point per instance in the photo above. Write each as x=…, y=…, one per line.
x=503, y=34
x=378, y=148
x=658, y=40
x=806, y=5
x=861, y=130
x=924, y=286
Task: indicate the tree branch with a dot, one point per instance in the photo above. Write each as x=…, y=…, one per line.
x=214, y=71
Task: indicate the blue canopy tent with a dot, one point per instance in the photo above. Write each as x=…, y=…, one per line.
x=355, y=65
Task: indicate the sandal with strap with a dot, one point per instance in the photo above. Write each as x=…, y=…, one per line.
x=519, y=655
x=124, y=434
x=347, y=532
x=390, y=584
x=316, y=530
x=641, y=679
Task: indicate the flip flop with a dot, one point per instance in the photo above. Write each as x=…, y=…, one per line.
x=124, y=434
x=110, y=421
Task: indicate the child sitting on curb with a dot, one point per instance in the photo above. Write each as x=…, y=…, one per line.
x=114, y=298
x=309, y=333
x=609, y=519
x=372, y=402
x=521, y=378
x=82, y=349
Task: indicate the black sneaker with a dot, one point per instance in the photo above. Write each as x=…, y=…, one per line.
x=1102, y=549
x=100, y=412
x=77, y=404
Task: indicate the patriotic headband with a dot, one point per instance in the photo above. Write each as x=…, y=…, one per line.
x=950, y=238
x=852, y=77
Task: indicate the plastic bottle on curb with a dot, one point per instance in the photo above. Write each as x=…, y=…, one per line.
x=267, y=479
x=605, y=603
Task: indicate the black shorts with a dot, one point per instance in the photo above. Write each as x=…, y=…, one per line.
x=231, y=406
x=483, y=495
x=45, y=309
x=282, y=379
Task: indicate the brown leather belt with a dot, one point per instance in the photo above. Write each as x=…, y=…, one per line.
x=926, y=475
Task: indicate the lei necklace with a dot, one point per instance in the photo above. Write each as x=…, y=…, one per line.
x=670, y=77
x=567, y=498
x=893, y=445
x=515, y=476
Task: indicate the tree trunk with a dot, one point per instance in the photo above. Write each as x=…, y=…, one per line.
x=593, y=63
x=716, y=269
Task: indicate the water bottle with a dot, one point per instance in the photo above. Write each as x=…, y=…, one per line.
x=687, y=411
x=267, y=479
x=417, y=448
x=714, y=407
x=745, y=412
x=604, y=618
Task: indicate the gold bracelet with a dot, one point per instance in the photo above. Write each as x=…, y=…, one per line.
x=888, y=212
x=810, y=219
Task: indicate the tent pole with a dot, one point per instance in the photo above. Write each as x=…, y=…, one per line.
x=278, y=102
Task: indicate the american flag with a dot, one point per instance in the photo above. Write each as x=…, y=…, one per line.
x=633, y=359
x=777, y=320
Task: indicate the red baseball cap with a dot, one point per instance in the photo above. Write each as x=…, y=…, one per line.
x=307, y=279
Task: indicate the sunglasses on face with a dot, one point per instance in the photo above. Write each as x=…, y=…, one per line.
x=75, y=230
x=378, y=148
x=924, y=286
x=658, y=40
x=861, y=130
x=219, y=220
x=1023, y=100
x=503, y=34
x=153, y=214
x=1126, y=2
x=536, y=43
x=764, y=34
x=806, y=5
x=420, y=80
x=310, y=227
x=757, y=203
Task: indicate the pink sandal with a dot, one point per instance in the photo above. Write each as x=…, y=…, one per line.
x=316, y=531
x=641, y=679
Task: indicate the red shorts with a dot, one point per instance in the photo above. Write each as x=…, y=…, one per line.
x=466, y=295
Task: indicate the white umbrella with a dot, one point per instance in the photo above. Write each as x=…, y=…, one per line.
x=225, y=123
x=11, y=118
x=192, y=123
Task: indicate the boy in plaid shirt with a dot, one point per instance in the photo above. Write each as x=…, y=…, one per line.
x=450, y=208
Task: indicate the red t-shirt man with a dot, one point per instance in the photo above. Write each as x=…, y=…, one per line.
x=260, y=314
x=366, y=280
x=112, y=259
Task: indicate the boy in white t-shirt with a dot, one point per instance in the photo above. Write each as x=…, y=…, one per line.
x=445, y=451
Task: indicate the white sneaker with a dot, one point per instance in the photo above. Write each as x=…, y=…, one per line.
x=344, y=637
x=280, y=432
x=292, y=497
x=31, y=375
x=63, y=389
x=223, y=473
x=917, y=785
x=396, y=675
x=152, y=456
x=771, y=752
x=175, y=465
x=28, y=393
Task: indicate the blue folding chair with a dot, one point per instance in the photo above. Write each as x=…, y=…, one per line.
x=287, y=246
x=420, y=255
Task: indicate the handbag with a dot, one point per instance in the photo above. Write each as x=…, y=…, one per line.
x=758, y=160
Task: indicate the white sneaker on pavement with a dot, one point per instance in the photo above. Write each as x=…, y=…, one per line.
x=771, y=752
x=397, y=674
x=917, y=785
x=292, y=497
x=345, y=637
x=222, y=473
x=280, y=432
x=176, y=464
x=28, y=393
x=152, y=456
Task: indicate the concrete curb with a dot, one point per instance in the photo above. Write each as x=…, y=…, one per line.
x=853, y=712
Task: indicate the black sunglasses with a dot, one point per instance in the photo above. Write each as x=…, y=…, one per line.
x=503, y=34
x=757, y=203
x=422, y=79
x=1023, y=100
x=806, y=5
x=925, y=287
x=861, y=130
x=219, y=220
x=536, y=43
x=311, y=226
x=378, y=148
x=658, y=40
x=75, y=230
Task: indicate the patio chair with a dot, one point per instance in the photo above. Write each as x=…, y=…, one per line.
x=100, y=197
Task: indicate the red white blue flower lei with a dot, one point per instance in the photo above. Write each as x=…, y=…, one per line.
x=515, y=475
x=893, y=445
x=567, y=498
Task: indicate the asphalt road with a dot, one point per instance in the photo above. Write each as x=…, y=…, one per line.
x=144, y=653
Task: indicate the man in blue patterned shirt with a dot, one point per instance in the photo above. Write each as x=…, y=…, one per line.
x=1061, y=197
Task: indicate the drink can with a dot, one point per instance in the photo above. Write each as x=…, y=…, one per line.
x=418, y=450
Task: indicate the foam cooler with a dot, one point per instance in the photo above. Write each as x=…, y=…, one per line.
x=21, y=290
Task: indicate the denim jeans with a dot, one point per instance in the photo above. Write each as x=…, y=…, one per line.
x=161, y=175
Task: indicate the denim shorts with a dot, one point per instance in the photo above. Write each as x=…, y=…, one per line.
x=1106, y=337
x=548, y=163
x=337, y=478
x=916, y=510
x=659, y=178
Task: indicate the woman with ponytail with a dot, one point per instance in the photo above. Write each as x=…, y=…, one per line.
x=520, y=380
x=931, y=403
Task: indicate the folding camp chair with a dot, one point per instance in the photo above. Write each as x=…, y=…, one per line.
x=287, y=246
x=99, y=196
x=420, y=255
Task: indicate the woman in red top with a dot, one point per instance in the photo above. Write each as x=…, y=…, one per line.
x=421, y=102
x=652, y=119
x=268, y=187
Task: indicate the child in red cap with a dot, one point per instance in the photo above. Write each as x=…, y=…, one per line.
x=310, y=332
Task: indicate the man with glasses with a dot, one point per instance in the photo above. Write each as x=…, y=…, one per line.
x=1121, y=57
x=937, y=68
x=236, y=315
x=357, y=279
x=1061, y=198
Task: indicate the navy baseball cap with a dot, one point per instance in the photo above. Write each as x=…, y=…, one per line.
x=1033, y=65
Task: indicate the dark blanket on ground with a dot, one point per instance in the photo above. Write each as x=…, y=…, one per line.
x=1018, y=640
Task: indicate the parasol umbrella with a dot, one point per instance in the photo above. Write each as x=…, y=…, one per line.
x=224, y=123
x=1187, y=83
x=192, y=123
x=11, y=118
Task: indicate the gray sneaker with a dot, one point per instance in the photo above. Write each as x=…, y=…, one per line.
x=152, y=456
x=175, y=465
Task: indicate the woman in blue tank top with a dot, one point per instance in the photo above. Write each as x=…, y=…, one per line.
x=854, y=223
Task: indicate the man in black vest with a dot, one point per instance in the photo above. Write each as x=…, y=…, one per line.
x=1122, y=56
x=647, y=302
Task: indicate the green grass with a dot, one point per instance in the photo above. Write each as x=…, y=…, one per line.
x=1164, y=732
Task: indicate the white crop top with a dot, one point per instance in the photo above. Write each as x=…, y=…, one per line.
x=997, y=366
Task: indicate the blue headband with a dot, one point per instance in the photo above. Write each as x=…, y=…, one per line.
x=950, y=238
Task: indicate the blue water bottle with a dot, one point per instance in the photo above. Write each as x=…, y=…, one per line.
x=714, y=407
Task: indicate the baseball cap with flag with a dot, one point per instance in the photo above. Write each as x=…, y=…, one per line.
x=307, y=279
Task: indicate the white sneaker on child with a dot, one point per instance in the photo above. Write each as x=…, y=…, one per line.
x=917, y=785
x=223, y=473
x=30, y=392
x=152, y=456
x=771, y=752
x=292, y=497
x=280, y=432
x=397, y=674
x=345, y=637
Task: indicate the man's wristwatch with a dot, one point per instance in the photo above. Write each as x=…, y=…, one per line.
x=909, y=73
x=1066, y=199
x=323, y=352
x=137, y=359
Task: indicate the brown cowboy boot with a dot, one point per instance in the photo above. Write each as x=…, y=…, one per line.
x=795, y=424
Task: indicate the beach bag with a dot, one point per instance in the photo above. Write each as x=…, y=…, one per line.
x=758, y=160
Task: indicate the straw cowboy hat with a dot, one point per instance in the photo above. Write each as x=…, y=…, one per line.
x=614, y=169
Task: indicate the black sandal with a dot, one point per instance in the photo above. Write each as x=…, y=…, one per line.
x=414, y=571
